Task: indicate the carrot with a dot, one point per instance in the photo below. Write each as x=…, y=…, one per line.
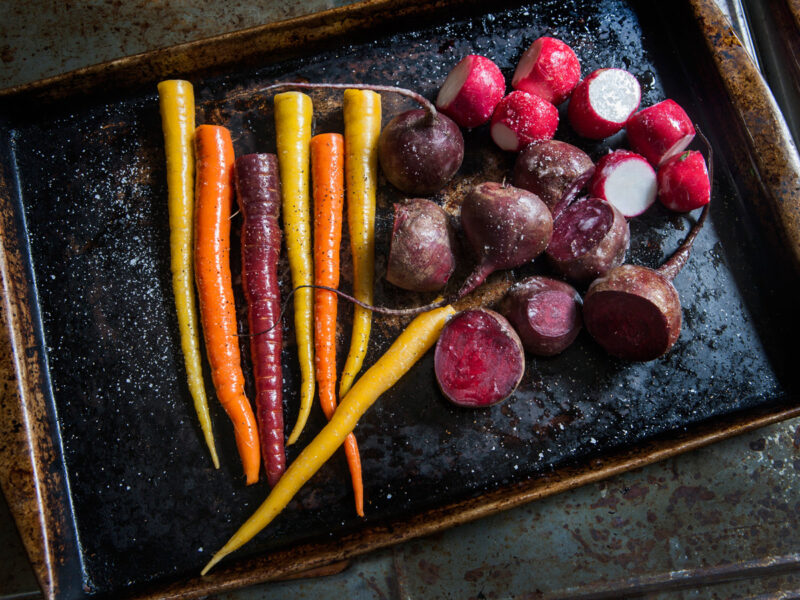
x=362, y=126
x=293, y=112
x=328, y=190
x=214, y=196
x=176, y=99
x=258, y=193
x=409, y=347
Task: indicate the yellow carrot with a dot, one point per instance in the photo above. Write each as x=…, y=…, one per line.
x=176, y=99
x=362, y=127
x=409, y=347
x=293, y=113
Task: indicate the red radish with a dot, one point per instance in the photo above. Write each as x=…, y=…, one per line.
x=521, y=118
x=660, y=132
x=590, y=238
x=546, y=314
x=505, y=226
x=549, y=69
x=478, y=359
x=471, y=91
x=603, y=102
x=421, y=256
x=634, y=312
x=553, y=170
x=683, y=182
x=626, y=180
x=258, y=194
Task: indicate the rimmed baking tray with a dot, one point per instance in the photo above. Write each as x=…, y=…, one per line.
x=101, y=461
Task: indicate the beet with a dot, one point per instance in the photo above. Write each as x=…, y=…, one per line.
x=553, y=170
x=590, y=238
x=420, y=151
x=545, y=312
x=634, y=312
x=478, y=359
x=505, y=226
x=421, y=257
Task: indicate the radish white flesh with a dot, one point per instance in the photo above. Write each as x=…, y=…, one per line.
x=627, y=181
x=471, y=91
x=549, y=68
x=660, y=132
x=602, y=103
x=520, y=119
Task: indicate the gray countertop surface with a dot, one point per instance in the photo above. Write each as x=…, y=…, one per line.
x=720, y=522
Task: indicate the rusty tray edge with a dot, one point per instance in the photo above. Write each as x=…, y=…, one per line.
x=36, y=492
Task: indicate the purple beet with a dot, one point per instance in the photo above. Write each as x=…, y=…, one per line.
x=505, y=226
x=420, y=151
x=553, y=170
x=478, y=359
x=635, y=312
x=590, y=237
x=546, y=314
x=421, y=257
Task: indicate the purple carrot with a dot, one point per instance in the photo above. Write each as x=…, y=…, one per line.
x=258, y=193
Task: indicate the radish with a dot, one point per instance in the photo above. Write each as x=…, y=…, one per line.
x=683, y=182
x=553, y=170
x=546, y=314
x=660, y=132
x=549, y=68
x=521, y=118
x=421, y=256
x=634, y=312
x=602, y=103
x=505, y=226
x=471, y=91
x=478, y=359
x=590, y=237
x=626, y=180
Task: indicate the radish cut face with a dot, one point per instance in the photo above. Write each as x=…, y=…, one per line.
x=626, y=180
x=478, y=359
x=614, y=95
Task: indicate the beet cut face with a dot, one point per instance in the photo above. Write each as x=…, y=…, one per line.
x=478, y=359
x=579, y=230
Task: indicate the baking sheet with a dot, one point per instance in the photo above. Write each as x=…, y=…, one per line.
x=148, y=508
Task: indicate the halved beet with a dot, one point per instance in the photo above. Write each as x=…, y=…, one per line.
x=590, y=238
x=553, y=170
x=633, y=312
x=478, y=359
x=545, y=312
x=421, y=256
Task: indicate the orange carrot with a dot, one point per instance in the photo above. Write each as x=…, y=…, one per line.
x=214, y=196
x=327, y=175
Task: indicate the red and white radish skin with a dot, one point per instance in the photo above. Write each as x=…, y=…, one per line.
x=660, y=132
x=683, y=182
x=421, y=256
x=479, y=360
x=626, y=180
x=471, y=91
x=545, y=312
x=590, y=238
x=521, y=118
x=553, y=170
x=603, y=102
x=549, y=68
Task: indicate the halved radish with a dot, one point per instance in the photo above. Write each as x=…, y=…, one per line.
x=660, y=132
x=471, y=91
x=626, y=180
x=603, y=102
x=549, y=68
x=521, y=118
x=683, y=183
